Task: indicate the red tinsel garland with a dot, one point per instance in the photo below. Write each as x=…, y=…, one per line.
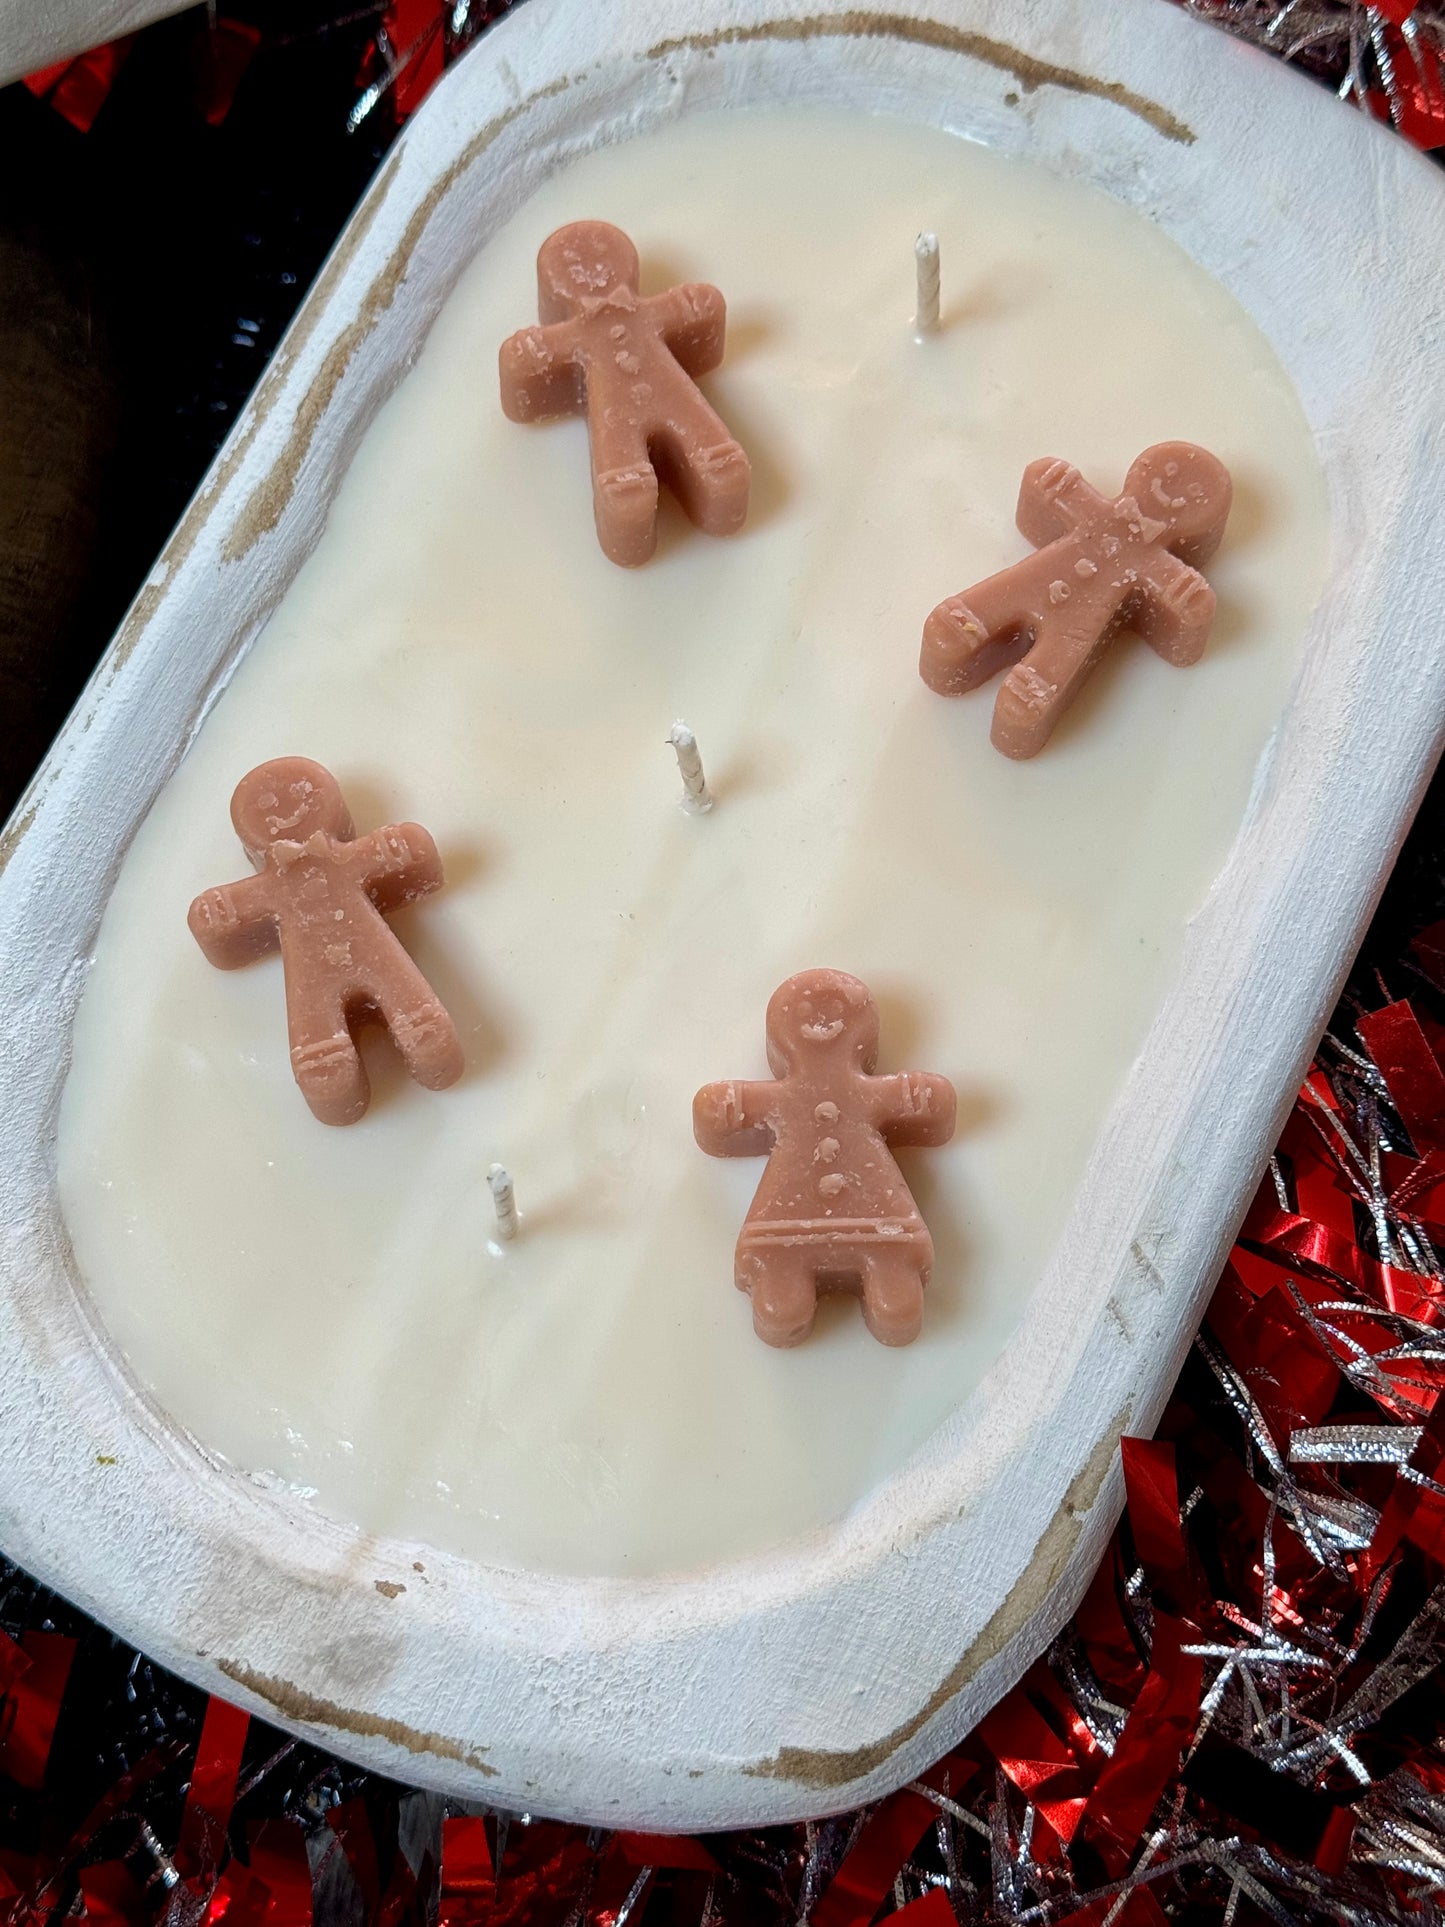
x=1243, y=1715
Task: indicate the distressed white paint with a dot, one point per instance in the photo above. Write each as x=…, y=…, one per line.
x=804, y=1681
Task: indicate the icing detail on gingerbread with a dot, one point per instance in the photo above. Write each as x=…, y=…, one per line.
x=832, y=1211
x=628, y=361
x=319, y=895
x=1101, y=565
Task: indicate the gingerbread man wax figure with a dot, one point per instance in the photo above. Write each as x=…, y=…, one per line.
x=832, y=1211
x=1102, y=565
x=319, y=894
x=627, y=361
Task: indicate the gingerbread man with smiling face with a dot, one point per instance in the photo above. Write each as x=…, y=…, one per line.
x=628, y=361
x=320, y=894
x=1101, y=566
x=832, y=1211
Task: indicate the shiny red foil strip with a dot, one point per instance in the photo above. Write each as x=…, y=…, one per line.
x=415, y=30
x=1151, y=1499
x=78, y=89
x=277, y=1857
x=1147, y=1755
x=1396, y=1040
x=12, y=1664
x=352, y=1827
x=32, y=1706
x=1416, y=100
x=546, y=1874
x=929, y=1910
x=238, y=1899
x=673, y=1850
x=224, y=53
x=868, y=1872
x=111, y=1894
x=212, y=1794
x=468, y=1878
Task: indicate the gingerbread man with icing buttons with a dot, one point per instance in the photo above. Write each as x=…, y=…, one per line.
x=1101, y=566
x=832, y=1211
x=628, y=361
x=320, y=894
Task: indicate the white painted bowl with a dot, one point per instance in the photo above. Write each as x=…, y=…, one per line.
x=716, y=1699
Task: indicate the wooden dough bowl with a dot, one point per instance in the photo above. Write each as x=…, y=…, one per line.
x=826, y=1674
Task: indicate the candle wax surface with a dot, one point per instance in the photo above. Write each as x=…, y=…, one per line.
x=328, y=1309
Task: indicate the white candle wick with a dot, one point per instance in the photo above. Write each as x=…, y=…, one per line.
x=499, y=1178
x=925, y=255
x=696, y=796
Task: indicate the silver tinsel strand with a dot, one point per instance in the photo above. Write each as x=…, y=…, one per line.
x=1344, y=41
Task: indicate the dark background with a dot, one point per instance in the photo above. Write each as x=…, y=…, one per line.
x=147, y=269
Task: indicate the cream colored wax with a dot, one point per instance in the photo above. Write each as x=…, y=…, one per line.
x=329, y=1309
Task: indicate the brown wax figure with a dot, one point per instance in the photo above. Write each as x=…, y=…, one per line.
x=320, y=894
x=1107, y=565
x=627, y=362
x=832, y=1211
